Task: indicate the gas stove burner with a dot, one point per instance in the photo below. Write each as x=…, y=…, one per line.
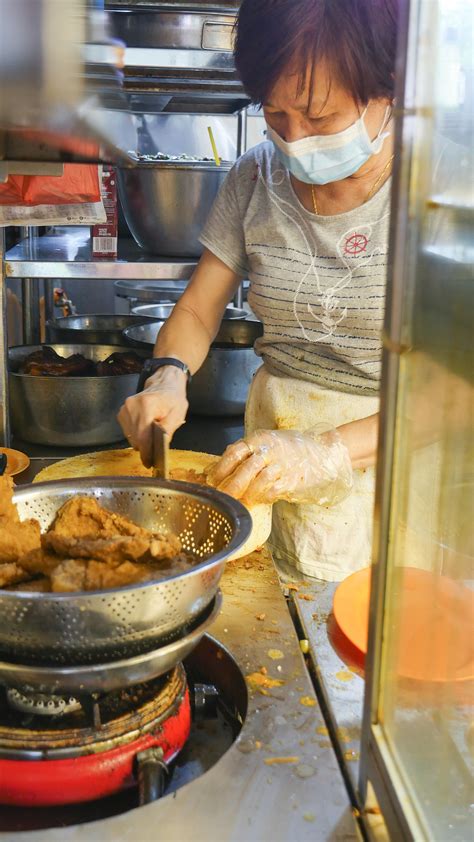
x=70, y=750
x=41, y=704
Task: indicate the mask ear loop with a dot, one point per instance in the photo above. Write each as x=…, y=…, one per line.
x=385, y=121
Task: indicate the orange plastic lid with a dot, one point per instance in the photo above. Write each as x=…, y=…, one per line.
x=16, y=461
x=434, y=620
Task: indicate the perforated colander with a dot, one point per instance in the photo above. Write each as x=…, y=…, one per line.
x=108, y=625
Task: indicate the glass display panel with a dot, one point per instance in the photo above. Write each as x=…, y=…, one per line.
x=425, y=707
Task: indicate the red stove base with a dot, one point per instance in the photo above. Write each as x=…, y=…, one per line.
x=34, y=783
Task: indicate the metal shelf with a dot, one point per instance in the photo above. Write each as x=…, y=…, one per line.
x=67, y=254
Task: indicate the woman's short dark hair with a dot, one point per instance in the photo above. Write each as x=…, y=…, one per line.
x=357, y=38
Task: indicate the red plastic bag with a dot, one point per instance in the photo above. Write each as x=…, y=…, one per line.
x=79, y=183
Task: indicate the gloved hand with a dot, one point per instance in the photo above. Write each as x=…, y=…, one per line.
x=163, y=399
x=272, y=465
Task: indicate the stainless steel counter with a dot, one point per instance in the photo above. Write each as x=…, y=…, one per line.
x=280, y=780
x=67, y=254
x=341, y=687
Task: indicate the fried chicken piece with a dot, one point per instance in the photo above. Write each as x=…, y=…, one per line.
x=115, y=550
x=12, y=573
x=39, y=561
x=91, y=575
x=83, y=517
x=8, y=510
x=42, y=585
x=18, y=538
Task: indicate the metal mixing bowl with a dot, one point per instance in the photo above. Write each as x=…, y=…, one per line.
x=92, y=330
x=68, y=411
x=160, y=312
x=221, y=385
x=166, y=203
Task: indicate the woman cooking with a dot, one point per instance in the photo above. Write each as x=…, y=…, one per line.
x=305, y=218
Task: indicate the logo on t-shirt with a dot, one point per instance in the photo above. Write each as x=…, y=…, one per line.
x=355, y=244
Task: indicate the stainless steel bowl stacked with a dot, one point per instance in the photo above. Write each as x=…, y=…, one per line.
x=166, y=203
x=221, y=385
x=68, y=411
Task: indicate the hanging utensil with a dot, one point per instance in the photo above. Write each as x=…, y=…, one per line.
x=214, y=147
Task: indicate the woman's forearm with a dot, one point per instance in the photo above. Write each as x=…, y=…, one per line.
x=196, y=317
x=361, y=440
x=184, y=337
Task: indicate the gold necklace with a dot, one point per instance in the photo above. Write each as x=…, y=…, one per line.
x=369, y=194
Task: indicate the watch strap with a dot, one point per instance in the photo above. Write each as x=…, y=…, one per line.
x=152, y=365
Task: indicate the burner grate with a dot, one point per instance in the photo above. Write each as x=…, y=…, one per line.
x=41, y=704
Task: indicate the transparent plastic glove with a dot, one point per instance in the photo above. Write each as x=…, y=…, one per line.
x=287, y=465
x=163, y=399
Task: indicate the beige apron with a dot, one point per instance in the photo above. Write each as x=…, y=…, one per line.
x=327, y=543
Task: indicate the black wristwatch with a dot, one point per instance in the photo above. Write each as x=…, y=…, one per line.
x=152, y=365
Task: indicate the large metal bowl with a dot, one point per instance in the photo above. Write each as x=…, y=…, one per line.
x=92, y=330
x=109, y=625
x=166, y=203
x=130, y=294
x=160, y=312
x=68, y=411
x=221, y=385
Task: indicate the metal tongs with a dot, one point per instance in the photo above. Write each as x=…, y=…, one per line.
x=160, y=447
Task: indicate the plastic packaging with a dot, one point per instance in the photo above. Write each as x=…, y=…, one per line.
x=79, y=183
x=299, y=467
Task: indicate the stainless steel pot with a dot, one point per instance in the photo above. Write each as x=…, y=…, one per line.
x=166, y=203
x=68, y=411
x=130, y=294
x=221, y=385
x=160, y=312
x=92, y=330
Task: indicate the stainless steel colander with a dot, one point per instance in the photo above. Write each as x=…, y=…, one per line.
x=109, y=625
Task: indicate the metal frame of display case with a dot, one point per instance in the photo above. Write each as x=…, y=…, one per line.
x=380, y=780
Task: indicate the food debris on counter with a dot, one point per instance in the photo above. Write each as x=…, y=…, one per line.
x=280, y=761
x=308, y=701
x=260, y=616
x=345, y=675
x=351, y=755
x=261, y=683
x=304, y=770
x=275, y=654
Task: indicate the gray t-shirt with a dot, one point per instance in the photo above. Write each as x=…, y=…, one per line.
x=316, y=282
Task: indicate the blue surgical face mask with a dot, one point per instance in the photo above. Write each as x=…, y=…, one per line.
x=321, y=159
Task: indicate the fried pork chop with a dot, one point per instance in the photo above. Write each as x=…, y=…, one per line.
x=11, y=574
x=114, y=550
x=16, y=537
x=86, y=548
x=83, y=517
x=92, y=575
